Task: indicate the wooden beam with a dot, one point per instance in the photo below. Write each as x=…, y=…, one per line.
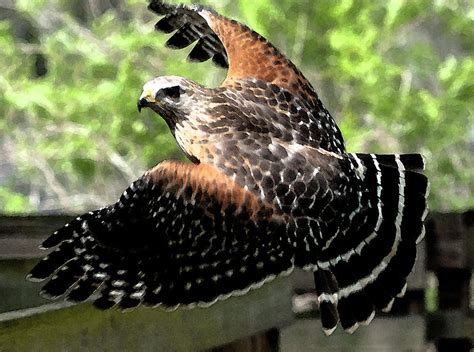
x=450, y=240
x=63, y=326
x=20, y=236
x=383, y=334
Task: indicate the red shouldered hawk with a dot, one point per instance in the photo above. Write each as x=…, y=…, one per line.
x=270, y=187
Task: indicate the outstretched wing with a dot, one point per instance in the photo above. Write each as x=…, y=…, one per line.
x=230, y=44
x=181, y=234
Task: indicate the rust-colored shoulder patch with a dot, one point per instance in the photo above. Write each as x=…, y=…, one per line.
x=204, y=178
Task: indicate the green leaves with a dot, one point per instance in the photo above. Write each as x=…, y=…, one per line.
x=396, y=75
x=12, y=202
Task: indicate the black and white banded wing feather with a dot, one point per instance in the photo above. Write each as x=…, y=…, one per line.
x=365, y=267
x=179, y=235
x=190, y=27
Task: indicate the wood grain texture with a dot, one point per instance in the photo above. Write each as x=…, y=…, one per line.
x=61, y=326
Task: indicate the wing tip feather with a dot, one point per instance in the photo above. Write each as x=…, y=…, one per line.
x=329, y=331
x=369, y=319
x=162, y=8
x=49, y=296
x=31, y=278
x=389, y=306
x=352, y=329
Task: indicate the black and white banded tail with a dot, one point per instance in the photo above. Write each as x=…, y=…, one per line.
x=367, y=267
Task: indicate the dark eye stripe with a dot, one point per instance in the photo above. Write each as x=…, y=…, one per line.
x=172, y=92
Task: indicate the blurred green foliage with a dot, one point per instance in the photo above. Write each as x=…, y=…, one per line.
x=397, y=76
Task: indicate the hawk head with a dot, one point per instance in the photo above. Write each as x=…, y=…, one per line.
x=171, y=97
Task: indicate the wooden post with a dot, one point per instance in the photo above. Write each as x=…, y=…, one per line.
x=448, y=237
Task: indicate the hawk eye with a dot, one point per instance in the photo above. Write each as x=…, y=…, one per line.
x=171, y=92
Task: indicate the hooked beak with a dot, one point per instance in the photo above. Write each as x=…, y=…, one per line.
x=142, y=103
x=145, y=100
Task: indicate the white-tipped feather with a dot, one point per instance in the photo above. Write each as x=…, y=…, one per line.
x=352, y=328
x=328, y=332
x=402, y=291
x=389, y=306
x=369, y=319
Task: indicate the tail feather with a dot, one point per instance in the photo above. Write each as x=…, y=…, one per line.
x=391, y=281
x=354, y=310
x=326, y=289
x=379, y=250
x=411, y=162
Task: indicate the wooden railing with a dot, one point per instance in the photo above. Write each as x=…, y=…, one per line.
x=248, y=323
x=30, y=323
x=238, y=321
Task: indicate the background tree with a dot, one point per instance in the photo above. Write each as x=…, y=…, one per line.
x=396, y=75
